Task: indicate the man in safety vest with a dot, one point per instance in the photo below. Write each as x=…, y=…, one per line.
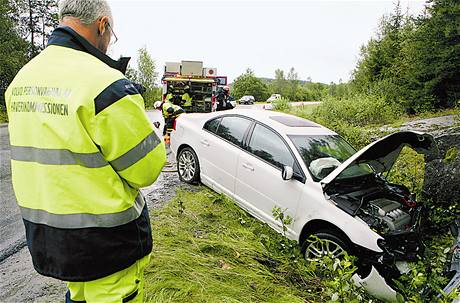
x=170, y=113
x=81, y=147
x=187, y=99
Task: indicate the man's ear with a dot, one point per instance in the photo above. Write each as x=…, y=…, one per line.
x=102, y=25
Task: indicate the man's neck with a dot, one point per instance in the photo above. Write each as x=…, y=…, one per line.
x=86, y=31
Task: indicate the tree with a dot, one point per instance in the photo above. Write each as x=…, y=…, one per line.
x=36, y=19
x=287, y=86
x=293, y=84
x=145, y=75
x=249, y=84
x=13, y=49
x=378, y=57
x=414, y=62
x=278, y=86
x=431, y=57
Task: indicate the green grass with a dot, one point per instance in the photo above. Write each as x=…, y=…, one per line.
x=304, y=111
x=206, y=249
x=3, y=117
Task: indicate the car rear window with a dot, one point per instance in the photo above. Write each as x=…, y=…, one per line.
x=212, y=125
x=233, y=129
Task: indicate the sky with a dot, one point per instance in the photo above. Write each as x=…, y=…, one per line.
x=320, y=39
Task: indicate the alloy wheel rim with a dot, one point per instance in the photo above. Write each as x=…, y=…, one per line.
x=322, y=248
x=187, y=165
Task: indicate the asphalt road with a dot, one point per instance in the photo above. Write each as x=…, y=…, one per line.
x=12, y=236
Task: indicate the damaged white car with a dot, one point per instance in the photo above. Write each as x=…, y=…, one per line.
x=265, y=159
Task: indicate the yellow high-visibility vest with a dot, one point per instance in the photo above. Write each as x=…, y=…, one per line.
x=169, y=109
x=81, y=147
x=188, y=100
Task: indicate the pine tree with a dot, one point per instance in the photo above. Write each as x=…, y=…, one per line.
x=36, y=20
x=13, y=49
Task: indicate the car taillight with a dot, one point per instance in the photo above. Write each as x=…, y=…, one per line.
x=174, y=124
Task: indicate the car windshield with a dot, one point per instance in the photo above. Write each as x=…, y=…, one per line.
x=324, y=153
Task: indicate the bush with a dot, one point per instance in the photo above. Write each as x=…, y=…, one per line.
x=355, y=135
x=358, y=110
x=281, y=104
x=409, y=170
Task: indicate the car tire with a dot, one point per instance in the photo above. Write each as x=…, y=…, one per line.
x=330, y=244
x=188, y=166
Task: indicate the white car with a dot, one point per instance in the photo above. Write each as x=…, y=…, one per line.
x=265, y=159
x=273, y=97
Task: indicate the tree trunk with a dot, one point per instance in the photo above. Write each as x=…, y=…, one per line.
x=31, y=27
x=43, y=31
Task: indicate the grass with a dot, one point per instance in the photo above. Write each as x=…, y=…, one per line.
x=304, y=111
x=206, y=249
x=3, y=117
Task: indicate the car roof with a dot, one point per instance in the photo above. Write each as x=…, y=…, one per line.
x=281, y=122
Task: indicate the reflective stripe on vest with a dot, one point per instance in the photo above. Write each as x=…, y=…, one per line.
x=72, y=221
x=57, y=157
x=136, y=153
x=89, y=160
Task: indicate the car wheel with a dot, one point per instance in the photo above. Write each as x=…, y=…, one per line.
x=327, y=244
x=188, y=166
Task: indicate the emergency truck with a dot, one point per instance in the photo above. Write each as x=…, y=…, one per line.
x=191, y=86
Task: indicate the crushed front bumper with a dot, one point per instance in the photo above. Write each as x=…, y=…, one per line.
x=376, y=285
x=382, y=268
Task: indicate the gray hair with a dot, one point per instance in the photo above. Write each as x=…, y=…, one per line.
x=87, y=11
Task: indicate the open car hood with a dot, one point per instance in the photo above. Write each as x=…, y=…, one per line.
x=382, y=154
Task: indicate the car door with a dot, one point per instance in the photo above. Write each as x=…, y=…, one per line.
x=221, y=144
x=259, y=184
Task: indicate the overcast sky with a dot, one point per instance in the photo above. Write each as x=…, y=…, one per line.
x=320, y=39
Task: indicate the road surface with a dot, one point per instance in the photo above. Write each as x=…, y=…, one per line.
x=12, y=230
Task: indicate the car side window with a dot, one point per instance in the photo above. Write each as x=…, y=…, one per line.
x=270, y=147
x=212, y=125
x=233, y=129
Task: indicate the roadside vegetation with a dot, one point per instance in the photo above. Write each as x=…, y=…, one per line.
x=411, y=65
x=209, y=250
x=3, y=117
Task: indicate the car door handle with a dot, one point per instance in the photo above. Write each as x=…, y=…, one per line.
x=248, y=166
x=204, y=142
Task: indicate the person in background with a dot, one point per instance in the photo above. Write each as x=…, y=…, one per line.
x=186, y=97
x=170, y=113
x=223, y=99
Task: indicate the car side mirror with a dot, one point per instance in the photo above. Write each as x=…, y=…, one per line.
x=287, y=173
